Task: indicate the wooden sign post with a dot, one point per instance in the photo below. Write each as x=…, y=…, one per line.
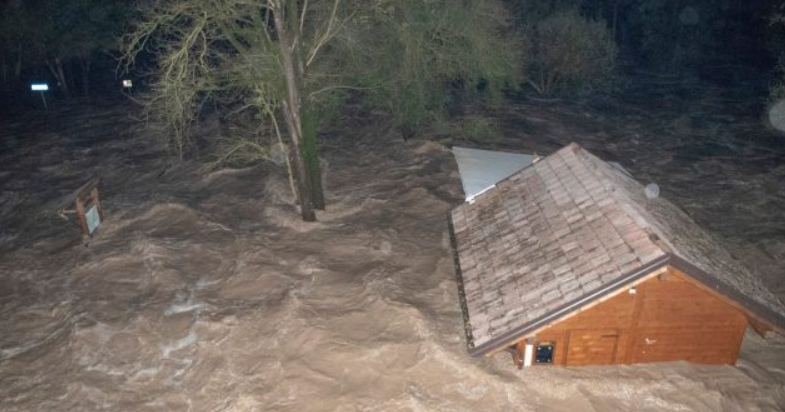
x=41, y=88
x=85, y=204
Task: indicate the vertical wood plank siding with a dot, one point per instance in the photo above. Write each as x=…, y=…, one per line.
x=668, y=318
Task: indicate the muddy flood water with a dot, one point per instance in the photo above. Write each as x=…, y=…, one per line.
x=203, y=291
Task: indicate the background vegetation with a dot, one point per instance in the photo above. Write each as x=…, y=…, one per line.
x=294, y=63
x=777, y=44
x=572, y=54
x=280, y=72
x=60, y=41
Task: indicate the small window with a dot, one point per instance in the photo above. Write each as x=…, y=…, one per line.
x=543, y=354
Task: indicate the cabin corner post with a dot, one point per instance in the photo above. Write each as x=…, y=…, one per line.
x=517, y=355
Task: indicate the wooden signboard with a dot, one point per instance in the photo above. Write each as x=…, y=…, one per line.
x=85, y=205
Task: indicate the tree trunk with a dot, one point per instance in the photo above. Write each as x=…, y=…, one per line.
x=18, y=66
x=309, y=119
x=5, y=72
x=84, y=64
x=56, y=67
x=615, y=20
x=311, y=157
x=71, y=70
x=292, y=106
x=63, y=80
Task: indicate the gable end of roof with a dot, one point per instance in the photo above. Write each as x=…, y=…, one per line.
x=759, y=311
x=754, y=308
x=508, y=338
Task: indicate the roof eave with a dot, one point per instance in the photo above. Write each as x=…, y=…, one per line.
x=459, y=281
x=776, y=321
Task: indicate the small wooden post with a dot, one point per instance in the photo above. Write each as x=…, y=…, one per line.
x=80, y=215
x=97, y=202
x=515, y=351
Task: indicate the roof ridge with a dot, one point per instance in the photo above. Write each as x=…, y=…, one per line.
x=670, y=243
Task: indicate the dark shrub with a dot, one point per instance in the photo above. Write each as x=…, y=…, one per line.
x=571, y=54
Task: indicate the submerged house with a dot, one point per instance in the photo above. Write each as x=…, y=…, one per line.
x=570, y=261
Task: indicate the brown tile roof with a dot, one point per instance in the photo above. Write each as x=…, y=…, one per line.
x=563, y=231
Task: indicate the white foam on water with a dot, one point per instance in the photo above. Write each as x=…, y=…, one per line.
x=179, y=344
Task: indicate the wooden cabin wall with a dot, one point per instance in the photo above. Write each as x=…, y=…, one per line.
x=667, y=318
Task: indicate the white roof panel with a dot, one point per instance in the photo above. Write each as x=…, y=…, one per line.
x=480, y=170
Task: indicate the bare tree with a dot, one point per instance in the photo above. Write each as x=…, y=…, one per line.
x=290, y=59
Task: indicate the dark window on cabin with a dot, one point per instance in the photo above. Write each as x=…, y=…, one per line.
x=543, y=353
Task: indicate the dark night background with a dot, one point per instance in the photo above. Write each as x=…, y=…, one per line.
x=712, y=40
